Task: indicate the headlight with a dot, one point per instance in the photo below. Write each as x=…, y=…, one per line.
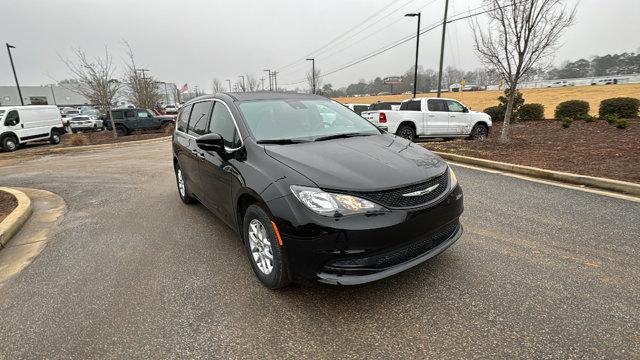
x=329, y=204
x=452, y=178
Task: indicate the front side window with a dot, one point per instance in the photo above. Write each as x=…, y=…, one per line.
x=455, y=106
x=294, y=119
x=199, y=118
x=437, y=105
x=222, y=123
x=411, y=105
x=183, y=118
x=12, y=118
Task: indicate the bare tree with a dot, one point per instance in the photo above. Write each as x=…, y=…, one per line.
x=318, y=80
x=252, y=82
x=94, y=79
x=216, y=85
x=142, y=89
x=519, y=35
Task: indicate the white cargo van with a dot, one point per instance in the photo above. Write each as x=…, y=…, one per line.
x=23, y=124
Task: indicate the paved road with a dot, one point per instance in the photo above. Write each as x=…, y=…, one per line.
x=541, y=272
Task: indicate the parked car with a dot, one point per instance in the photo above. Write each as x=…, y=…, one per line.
x=561, y=83
x=607, y=81
x=171, y=109
x=69, y=112
x=85, y=123
x=340, y=203
x=358, y=108
x=432, y=118
x=128, y=120
x=23, y=124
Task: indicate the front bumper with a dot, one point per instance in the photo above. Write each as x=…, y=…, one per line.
x=362, y=248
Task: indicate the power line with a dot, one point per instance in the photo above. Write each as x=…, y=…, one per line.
x=375, y=14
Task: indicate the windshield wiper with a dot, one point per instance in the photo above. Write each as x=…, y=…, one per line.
x=281, y=141
x=341, y=136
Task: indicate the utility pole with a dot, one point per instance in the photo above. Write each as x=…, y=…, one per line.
x=313, y=75
x=275, y=80
x=9, y=47
x=243, y=86
x=269, y=71
x=229, y=82
x=444, y=32
x=262, y=81
x=415, y=68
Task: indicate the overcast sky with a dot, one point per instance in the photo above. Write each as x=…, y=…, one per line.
x=193, y=41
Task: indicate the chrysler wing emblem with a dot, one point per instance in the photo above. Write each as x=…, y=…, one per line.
x=421, y=192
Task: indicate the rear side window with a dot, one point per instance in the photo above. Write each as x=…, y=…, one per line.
x=222, y=123
x=130, y=114
x=199, y=115
x=437, y=105
x=183, y=118
x=411, y=105
x=118, y=115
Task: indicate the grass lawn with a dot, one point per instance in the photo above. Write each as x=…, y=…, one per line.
x=549, y=97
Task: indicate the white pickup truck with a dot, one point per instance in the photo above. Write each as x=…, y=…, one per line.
x=432, y=118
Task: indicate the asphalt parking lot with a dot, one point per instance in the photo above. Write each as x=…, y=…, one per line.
x=541, y=272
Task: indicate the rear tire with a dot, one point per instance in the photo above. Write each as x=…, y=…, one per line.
x=265, y=254
x=479, y=132
x=55, y=137
x=407, y=132
x=121, y=130
x=182, y=187
x=9, y=143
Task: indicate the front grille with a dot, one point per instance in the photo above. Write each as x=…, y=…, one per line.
x=402, y=254
x=393, y=198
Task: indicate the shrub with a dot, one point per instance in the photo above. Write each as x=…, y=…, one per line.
x=575, y=109
x=531, y=112
x=622, y=124
x=78, y=139
x=624, y=107
x=496, y=113
x=566, y=122
x=589, y=118
x=611, y=118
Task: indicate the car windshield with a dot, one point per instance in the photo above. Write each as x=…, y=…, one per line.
x=293, y=119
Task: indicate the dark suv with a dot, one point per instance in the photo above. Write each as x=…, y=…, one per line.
x=315, y=191
x=128, y=120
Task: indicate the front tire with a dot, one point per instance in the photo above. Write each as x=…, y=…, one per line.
x=182, y=187
x=9, y=143
x=479, y=132
x=407, y=132
x=54, y=138
x=265, y=254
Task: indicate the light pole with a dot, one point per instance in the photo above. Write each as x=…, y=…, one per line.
x=229, y=81
x=9, y=47
x=444, y=32
x=415, y=70
x=313, y=75
x=269, y=71
x=243, y=88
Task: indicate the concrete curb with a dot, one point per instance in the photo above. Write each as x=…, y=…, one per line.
x=596, y=182
x=13, y=223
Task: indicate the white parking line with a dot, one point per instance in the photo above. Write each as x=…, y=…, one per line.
x=549, y=182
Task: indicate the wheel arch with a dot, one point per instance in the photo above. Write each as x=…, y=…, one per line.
x=9, y=133
x=247, y=197
x=410, y=123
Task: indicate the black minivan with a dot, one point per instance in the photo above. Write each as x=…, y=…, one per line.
x=315, y=191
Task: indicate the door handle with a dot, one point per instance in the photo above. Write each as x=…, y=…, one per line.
x=432, y=116
x=22, y=126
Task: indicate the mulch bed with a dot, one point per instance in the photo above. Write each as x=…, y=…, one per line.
x=594, y=149
x=7, y=203
x=106, y=137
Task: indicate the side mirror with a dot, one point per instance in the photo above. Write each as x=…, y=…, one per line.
x=211, y=142
x=466, y=109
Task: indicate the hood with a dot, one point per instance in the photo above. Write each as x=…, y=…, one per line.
x=365, y=163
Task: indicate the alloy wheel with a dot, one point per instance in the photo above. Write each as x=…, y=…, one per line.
x=261, y=250
x=407, y=134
